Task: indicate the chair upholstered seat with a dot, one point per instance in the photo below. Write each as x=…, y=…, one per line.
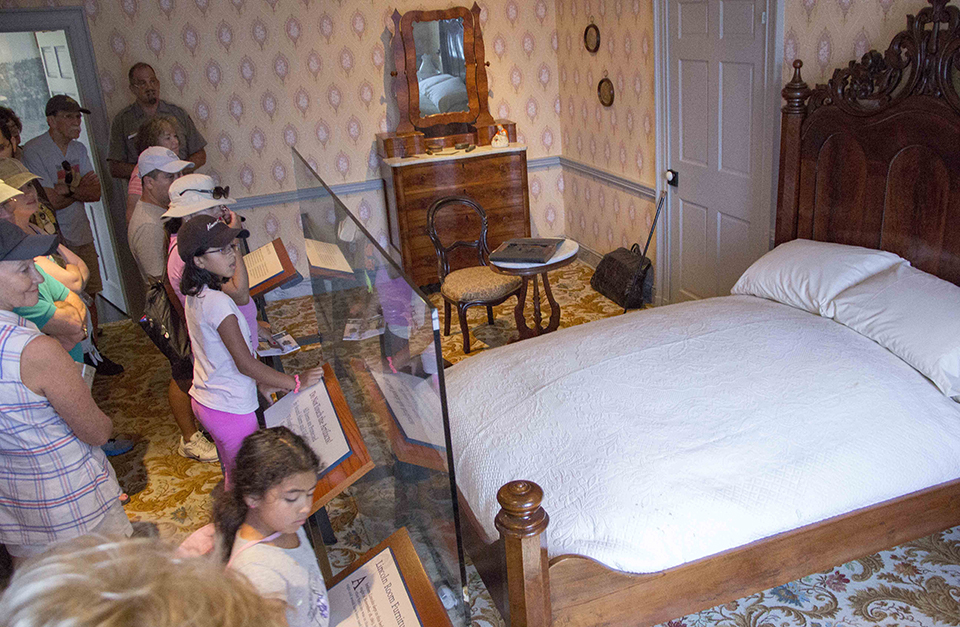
x=478, y=283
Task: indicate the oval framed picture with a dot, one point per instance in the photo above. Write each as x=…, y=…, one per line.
x=591, y=38
x=605, y=92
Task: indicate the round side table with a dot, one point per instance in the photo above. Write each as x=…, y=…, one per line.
x=565, y=255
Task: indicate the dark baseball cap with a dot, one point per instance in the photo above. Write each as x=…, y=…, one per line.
x=204, y=232
x=63, y=102
x=15, y=245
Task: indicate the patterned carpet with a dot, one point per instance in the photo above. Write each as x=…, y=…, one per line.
x=912, y=585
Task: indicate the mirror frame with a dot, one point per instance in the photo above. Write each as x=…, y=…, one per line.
x=407, y=84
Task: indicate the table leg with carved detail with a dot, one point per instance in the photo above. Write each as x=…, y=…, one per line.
x=554, y=306
x=523, y=328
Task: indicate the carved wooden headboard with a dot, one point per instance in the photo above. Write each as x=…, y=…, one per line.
x=872, y=158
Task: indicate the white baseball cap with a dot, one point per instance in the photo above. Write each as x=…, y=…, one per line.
x=160, y=158
x=7, y=192
x=195, y=192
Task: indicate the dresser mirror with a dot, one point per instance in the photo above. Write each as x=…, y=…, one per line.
x=441, y=145
x=441, y=77
x=441, y=67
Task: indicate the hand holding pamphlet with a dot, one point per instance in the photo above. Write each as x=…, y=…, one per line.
x=281, y=343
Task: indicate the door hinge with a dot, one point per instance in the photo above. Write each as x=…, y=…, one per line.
x=763, y=17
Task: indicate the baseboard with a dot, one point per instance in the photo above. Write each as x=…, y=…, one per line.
x=589, y=256
x=592, y=258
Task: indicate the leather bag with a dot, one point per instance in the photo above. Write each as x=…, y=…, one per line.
x=163, y=322
x=626, y=276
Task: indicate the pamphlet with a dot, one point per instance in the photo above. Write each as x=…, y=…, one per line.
x=262, y=264
x=88, y=372
x=310, y=414
x=374, y=595
x=363, y=328
x=415, y=404
x=283, y=344
x=326, y=256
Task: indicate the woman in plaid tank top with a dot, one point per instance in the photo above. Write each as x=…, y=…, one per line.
x=55, y=482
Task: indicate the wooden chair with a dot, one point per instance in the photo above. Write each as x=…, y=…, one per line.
x=472, y=285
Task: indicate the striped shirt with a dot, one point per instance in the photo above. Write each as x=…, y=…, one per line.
x=52, y=486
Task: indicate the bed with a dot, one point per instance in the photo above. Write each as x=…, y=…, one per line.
x=442, y=93
x=817, y=436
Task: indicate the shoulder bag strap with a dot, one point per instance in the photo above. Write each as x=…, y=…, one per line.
x=248, y=545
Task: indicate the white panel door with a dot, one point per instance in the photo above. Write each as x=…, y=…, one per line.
x=719, y=213
x=61, y=79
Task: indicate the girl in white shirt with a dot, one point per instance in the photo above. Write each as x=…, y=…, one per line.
x=226, y=372
x=259, y=523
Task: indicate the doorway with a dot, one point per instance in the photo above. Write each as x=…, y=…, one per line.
x=720, y=89
x=39, y=60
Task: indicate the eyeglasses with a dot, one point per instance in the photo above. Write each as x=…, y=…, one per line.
x=229, y=249
x=216, y=193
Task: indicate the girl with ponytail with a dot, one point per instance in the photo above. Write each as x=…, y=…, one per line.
x=259, y=522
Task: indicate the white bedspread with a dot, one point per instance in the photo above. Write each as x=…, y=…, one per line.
x=667, y=435
x=443, y=93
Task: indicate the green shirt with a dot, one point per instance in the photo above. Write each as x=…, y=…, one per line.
x=51, y=291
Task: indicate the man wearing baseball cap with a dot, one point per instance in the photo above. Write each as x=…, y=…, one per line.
x=67, y=177
x=159, y=168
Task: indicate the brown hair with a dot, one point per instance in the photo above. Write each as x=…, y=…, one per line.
x=135, y=67
x=265, y=458
x=7, y=117
x=149, y=132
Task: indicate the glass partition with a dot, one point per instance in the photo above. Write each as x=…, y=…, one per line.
x=380, y=336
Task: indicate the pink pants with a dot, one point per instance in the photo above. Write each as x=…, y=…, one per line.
x=228, y=431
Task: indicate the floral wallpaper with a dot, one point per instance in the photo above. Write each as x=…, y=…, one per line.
x=827, y=34
x=619, y=139
x=603, y=217
x=262, y=76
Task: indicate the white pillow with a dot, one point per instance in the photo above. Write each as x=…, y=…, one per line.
x=428, y=67
x=914, y=315
x=807, y=275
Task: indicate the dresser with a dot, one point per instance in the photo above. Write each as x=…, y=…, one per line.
x=494, y=177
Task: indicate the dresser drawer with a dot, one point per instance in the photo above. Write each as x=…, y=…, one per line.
x=502, y=227
x=494, y=202
x=497, y=182
x=486, y=170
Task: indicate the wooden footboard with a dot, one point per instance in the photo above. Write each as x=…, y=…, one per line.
x=572, y=590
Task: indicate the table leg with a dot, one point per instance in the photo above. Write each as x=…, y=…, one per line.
x=537, y=317
x=522, y=329
x=554, y=306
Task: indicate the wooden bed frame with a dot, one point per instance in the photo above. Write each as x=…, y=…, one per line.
x=870, y=159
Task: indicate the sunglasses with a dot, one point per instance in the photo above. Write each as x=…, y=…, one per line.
x=216, y=193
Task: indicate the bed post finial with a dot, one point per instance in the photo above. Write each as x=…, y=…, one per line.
x=521, y=523
x=795, y=92
x=794, y=111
